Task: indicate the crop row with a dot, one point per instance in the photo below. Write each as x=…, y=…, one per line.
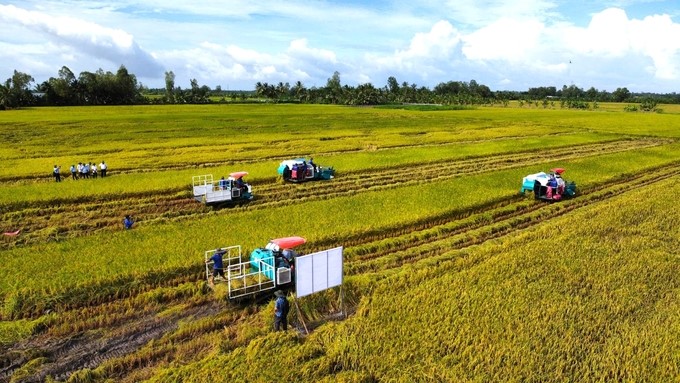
x=158, y=138
x=87, y=216
x=83, y=271
x=573, y=299
x=377, y=256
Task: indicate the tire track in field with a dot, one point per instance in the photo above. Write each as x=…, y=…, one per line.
x=89, y=349
x=485, y=224
x=75, y=218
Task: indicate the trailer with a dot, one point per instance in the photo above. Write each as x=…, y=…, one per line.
x=223, y=191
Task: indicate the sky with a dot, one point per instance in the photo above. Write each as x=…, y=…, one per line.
x=503, y=44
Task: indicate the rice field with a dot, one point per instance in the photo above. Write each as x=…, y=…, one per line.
x=450, y=273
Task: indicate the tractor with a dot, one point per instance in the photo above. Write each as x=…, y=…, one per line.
x=549, y=186
x=299, y=170
x=223, y=191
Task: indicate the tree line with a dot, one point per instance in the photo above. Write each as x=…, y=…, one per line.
x=122, y=88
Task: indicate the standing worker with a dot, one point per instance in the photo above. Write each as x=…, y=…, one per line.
x=102, y=168
x=218, y=268
x=286, y=173
x=56, y=173
x=281, y=308
x=74, y=175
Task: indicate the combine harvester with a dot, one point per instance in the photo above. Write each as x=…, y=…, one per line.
x=276, y=266
x=299, y=170
x=549, y=186
x=223, y=191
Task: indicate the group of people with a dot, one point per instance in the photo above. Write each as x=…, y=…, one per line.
x=82, y=170
x=555, y=185
x=299, y=171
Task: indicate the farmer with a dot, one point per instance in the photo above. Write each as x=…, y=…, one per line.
x=218, y=268
x=127, y=222
x=102, y=168
x=74, y=175
x=286, y=173
x=56, y=173
x=281, y=308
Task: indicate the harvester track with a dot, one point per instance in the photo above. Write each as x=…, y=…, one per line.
x=74, y=218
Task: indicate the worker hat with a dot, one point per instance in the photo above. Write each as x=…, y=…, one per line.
x=279, y=293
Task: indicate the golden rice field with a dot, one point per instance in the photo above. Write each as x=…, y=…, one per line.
x=449, y=273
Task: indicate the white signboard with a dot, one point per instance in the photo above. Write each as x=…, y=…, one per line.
x=318, y=271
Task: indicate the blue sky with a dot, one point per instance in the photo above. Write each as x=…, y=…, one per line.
x=506, y=45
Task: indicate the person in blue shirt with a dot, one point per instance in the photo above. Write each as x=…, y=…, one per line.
x=281, y=308
x=127, y=222
x=218, y=267
x=222, y=184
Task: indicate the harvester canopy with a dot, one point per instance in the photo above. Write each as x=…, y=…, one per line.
x=237, y=175
x=288, y=242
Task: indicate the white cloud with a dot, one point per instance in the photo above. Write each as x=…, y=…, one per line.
x=437, y=45
x=611, y=34
x=90, y=39
x=506, y=39
x=500, y=43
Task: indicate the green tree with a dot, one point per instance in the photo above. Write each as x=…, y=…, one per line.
x=170, y=87
x=621, y=94
x=334, y=89
x=16, y=91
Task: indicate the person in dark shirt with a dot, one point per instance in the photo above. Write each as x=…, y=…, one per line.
x=128, y=222
x=218, y=267
x=281, y=308
x=286, y=173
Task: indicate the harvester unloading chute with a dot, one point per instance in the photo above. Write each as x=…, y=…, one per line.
x=549, y=186
x=301, y=170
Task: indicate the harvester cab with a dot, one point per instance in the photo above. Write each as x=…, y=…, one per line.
x=231, y=190
x=268, y=268
x=299, y=170
x=549, y=186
